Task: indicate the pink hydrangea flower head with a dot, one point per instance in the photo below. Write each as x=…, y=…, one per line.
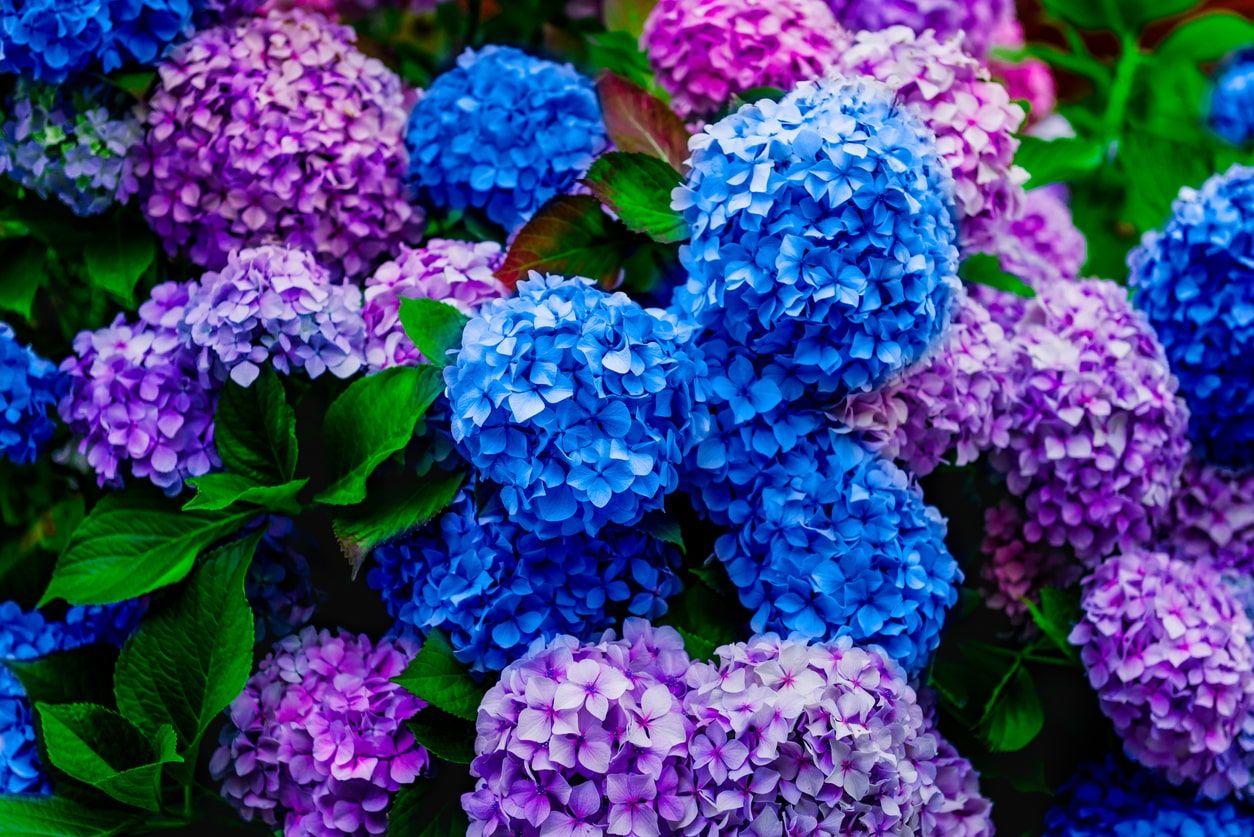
x=460, y=273
x=705, y=51
x=317, y=743
x=1013, y=569
x=276, y=129
x=976, y=22
x=1211, y=517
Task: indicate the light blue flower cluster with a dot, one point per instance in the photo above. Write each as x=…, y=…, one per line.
x=1193, y=282
x=494, y=588
x=53, y=40
x=1232, y=99
x=30, y=387
x=822, y=233
x=578, y=403
x=503, y=132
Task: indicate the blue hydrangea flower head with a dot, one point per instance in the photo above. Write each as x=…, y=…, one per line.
x=493, y=587
x=279, y=584
x=142, y=29
x=30, y=387
x=19, y=755
x=579, y=404
x=503, y=132
x=1194, y=280
x=822, y=233
x=52, y=40
x=1232, y=99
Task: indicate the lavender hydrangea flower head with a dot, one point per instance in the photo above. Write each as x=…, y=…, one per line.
x=586, y=739
x=322, y=167
x=278, y=584
x=705, y=51
x=954, y=401
x=52, y=40
x=1192, y=280
x=460, y=273
x=578, y=403
x=137, y=395
x=30, y=387
x=503, y=132
x=494, y=588
x=277, y=306
x=1232, y=99
x=1211, y=517
x=787, y=736
x=975, y=22
x=847, y=284
x=317, y=741
x=953, y=804
x=973, y=118
x=70, y=144
x=1013, y=568
x=1167, y=647
x=1097, y=432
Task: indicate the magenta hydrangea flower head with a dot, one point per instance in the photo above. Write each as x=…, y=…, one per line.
x=976, y=22
x=1211, y=517
x=953, y=402
x=317, y=742
x=1028, y=80
x=273, y=305
x=586, y=739
x=460, y=273
x=1166, y=645
x=137, y=396
x=705, y=51
x=1014, y=569
x=973, y=118
x=276, y=129
x=787, y=736
x=1097, y=431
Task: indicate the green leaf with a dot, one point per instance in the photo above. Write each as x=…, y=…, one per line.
x=392, y=511
x=118, y=256
x=638, y=188
x=698, y=647
x=189, y=660
x=1056, y=615
x=626, y=15
x=54, y=816
x=1136, y=14
x=704, y=619
x=23, y=271
x=1156, y=168
x=1015, y=717
x=255, y=430
x=68, y=676
x=437, y=677
x=222, y=490
x=447, y=737
x=757, y=94
x=983, y=269
x=663, y=527
x=425, y=810
x=1059, y=160
x=99, y=747
x=132, y=543
x=434, y=326
x=619, y=53
x=371, y=420
x=1207, y=37
x=638, y=121
x=1128, y=16
x=570, y=235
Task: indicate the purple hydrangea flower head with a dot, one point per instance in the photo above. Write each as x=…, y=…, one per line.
x=972, y=116
x=494, y=588
x=975, y=22
x=847, y=284
x=278, y=584
x=1232, y=99
x=586, y=739
x=1211, y=517
x=1014, y=569
x=953, y=805
x=1097, y=432
x=274, y=305
x=317, y=741
x=1113, y=798
x=460, y=273
x=210, y=13
x=503, y=132
x=705, y=51
x=1029, y=79
x=142, y=29
x=578, y=403
x=30, y=387
x=1166, y=645
x=52, y=40
x=1192, y=280
x=276, y=129
x=66, y=143
x=787, y=736
x=955, y=400
x=137, y=395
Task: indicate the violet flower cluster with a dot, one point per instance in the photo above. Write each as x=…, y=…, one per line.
x=1211, y=517
x=1232, y=99
x=276, y=129
x=459, y=273
x=503, y=132
x=1015, y=569
x=317, y=742
x=975, y=22
x=577, y=403
x=30, y=388
x=705, y=51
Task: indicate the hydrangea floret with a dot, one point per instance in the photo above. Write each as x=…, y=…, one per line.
x=975, y=22
x=1211, y=517
x=1232, y=99
x=30, y=388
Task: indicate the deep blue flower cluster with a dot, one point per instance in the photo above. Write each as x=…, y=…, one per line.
x=822, y=233
x=54, y=40
x=503, y=132
x=1192, y=280
x=1232, y=99
x=494, y=588
x=1115, y=799
x=30, y=387
x=579, y=404
x=279, y=585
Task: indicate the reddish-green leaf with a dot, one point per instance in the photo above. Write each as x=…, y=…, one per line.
x=570, y=235
x=638, y=121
